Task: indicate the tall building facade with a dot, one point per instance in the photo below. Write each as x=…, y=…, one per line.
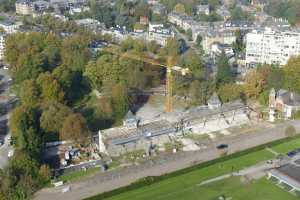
x=2, y=46
x=271, y=47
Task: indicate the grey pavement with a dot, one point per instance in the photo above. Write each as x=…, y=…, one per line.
x=6, y=100
x=102, y=182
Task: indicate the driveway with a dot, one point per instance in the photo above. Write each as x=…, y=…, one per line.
x=102, y=182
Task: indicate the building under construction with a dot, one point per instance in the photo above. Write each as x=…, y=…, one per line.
x=136, y=135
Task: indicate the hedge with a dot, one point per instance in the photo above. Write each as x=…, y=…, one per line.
x=154, y=179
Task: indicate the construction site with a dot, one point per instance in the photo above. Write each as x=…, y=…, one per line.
x=164, y=119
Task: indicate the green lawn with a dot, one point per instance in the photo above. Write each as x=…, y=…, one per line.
x=232, y=187
x=288, y=146
x=183, y=187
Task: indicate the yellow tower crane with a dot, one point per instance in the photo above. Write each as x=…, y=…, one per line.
x=169, y=69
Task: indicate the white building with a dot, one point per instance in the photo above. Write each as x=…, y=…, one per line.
x=203, y=10
x=271, y=47
x=2, y=46
x=10, y=27
x=159, y=33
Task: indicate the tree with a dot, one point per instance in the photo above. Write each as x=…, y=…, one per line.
x=238, y=45
x=253, y=84
x=172, y=47
x=75, y=53
x=290, y=131
x=291, y=74
x=74, y=128
x=189, y=33
x=53, y=116
x=29, y=93
x=224, y=72
x=199, y=40
x=120, y=101
x=179, y=8
x=50, y=88
x=229, y=92
x=193, y=62
x=24, y=124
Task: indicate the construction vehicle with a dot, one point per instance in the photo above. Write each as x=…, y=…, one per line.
x=170, y=67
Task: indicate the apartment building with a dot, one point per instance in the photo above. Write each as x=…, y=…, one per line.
x=2, y=46
x=24, y=7
x=271, y=46
x=159, y=33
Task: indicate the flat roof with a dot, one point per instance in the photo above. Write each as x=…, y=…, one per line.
x=123, y=135
x=289, y=173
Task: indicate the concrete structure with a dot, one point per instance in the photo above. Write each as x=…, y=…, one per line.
x=24, y=7
x=130, y=120
x=214, y=102
x=284, y=101
x=119, y=140
x=271, y=47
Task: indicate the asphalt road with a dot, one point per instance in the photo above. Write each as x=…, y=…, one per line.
x=100, y=183
x=6, y=100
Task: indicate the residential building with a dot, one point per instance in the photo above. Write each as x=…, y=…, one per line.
x=144, y=20
x=77, y=10
x=159, y=9
x=2, y=46
x=41, y=6
x=203, y=10
x=271, y=46
x=159, y=33
x=181, y=20
x=217, y=49
x=9, y=27
x=223, y=12
x=24, y=7
x=284, y=101
x=214, y=36
x=89, y=23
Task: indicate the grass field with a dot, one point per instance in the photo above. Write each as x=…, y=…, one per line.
x=183, y=187
x=288, y=146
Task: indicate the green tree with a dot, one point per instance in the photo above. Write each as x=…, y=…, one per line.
x=75, y=53
x=53, y=116
x=179, y=7
x=189, y=33
x=50, y=88
x=291, y=74
x=254, y=83
x=229, y=92
x=75, y=128
x=120, y=101
x=29, y=93
x=224, y=73
x=199, y=40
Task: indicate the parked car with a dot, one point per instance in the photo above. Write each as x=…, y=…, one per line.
x=1, y=142
x=222, y=146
